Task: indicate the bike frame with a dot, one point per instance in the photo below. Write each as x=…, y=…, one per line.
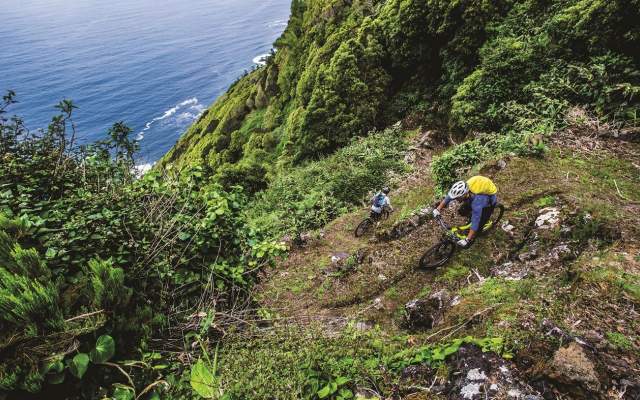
x=450, y=233
x=455, y=233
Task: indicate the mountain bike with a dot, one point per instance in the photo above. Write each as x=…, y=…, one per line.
x=441, y=252
x=367, y=223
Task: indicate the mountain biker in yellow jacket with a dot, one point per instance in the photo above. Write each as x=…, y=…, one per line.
x=478, y=195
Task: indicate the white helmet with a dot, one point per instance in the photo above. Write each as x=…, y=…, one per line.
x=458, y=189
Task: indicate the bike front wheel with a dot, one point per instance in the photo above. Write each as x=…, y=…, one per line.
x=363, y=227
x=437, y=255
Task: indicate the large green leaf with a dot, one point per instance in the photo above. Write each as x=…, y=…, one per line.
x=104, y=350
x=79, y=364
x=54, y=371
x=202, y=380
x=123, y=392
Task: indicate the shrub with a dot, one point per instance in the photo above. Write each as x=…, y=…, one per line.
x=308, y=197
x=87, y=248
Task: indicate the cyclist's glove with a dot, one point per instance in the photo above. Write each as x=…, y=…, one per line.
x=435, y=213
x=463, y=243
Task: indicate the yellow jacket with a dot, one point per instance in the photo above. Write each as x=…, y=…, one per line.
x=482, y=185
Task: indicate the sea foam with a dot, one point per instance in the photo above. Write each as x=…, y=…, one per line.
x=193, y=111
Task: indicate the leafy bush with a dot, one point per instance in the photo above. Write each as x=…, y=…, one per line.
x=453, y=164
x=86, y=248
x=308, y=197
x=344, y=68
x=28, y=297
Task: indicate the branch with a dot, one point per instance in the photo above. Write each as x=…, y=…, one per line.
x=84, y=316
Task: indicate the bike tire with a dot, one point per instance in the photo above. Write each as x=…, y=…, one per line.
x=363, y=227
x=495, y=220
x=437, y=255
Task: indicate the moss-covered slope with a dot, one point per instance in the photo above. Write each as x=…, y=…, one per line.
x=343, y=67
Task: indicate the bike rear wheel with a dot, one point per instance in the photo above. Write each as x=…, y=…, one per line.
x=437, y=255
x=363, y=227
x=495, y=218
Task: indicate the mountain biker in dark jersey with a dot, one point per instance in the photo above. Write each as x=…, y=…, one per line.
x=478, y=197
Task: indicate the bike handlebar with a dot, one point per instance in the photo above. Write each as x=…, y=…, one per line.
x=445, y=227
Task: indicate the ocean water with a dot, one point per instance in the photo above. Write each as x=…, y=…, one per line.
x=155, y=64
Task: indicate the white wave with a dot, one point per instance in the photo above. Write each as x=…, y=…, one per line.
x=280, y=23
x=261, y=59
x=193, y=106
x=142, y=168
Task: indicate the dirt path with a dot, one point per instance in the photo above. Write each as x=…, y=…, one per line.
x=376, y=278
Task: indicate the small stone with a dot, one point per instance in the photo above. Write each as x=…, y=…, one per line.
x=476, y=375
x=382, y=278
x=526, y=256
x=513, y=394
x=507, y=227
x=549, y=218
x=415, y=220
x=362, y=326
x=571, y=366
x=377, y=304
x=305, y=237
x=502, y=164
x=470, y=390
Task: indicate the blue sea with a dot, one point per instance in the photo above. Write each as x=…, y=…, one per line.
x=155, y=64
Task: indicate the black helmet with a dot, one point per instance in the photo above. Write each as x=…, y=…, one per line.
x=386, y=190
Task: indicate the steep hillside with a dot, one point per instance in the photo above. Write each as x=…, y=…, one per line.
x=230, y=271
x=345, y=67
x=551, y=297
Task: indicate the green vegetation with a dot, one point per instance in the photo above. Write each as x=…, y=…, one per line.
x=309, y=197
x=91, y=256
x=508, y=69
x=286, y=364
x=118, y=286
x=619, y=341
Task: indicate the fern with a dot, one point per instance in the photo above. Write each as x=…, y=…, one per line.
x=26, y=299
x=106, y=284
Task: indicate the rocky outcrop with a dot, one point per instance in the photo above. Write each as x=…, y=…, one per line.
x=572, y=369
x=477, y=375
x=406, y=226
x=427, y=313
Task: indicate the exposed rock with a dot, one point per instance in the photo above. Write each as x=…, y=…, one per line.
x=508, y=228
x=528, y=255
x=427, y=313
x=476, y=375
x=573, y=371
x=362, y=326
x=549, y=218
x=337, y=259
x=377, y=303
x=429, y=139
x=510, y=271
x=406, y=226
